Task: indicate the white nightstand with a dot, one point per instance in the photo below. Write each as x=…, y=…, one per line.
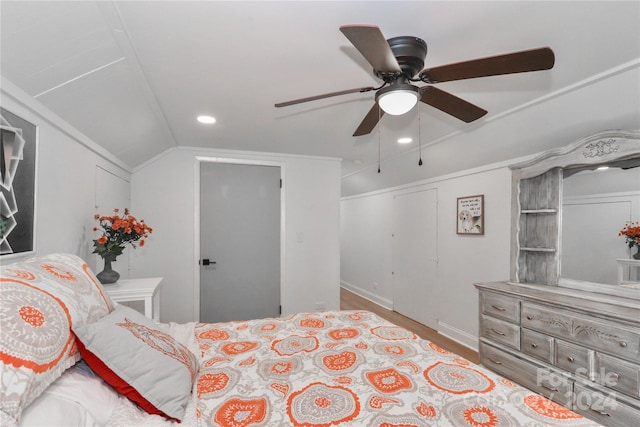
x=631, y=263
x=145, y=289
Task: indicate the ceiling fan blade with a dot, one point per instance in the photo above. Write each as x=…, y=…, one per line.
x=370, y=121
x=451, y=104
x=370, y=42
x=326, y=95
x=517, y=62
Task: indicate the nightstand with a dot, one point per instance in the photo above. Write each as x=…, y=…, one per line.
x=145, y=289
x=631, y=263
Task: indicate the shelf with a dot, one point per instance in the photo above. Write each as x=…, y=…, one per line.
x=539, y=211
x=549, y=250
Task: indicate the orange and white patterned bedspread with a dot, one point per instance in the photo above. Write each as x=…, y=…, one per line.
x=348, y=368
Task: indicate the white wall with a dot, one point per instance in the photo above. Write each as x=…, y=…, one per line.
x=164, y=193
x=67, y=167
x=366, y=228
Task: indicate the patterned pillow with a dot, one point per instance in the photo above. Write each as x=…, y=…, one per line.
x=140, y=361
x=40, y=300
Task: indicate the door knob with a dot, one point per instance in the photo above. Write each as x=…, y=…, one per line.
x=207, y=261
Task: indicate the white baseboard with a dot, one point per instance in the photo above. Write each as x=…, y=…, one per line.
x=382, y=302
x=461, y=337
x=458, y=336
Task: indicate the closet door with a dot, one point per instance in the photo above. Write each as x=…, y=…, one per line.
x=415, y=262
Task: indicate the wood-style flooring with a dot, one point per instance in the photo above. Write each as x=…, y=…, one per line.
x=351, y=301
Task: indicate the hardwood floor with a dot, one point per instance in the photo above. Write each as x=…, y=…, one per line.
x=351, y=301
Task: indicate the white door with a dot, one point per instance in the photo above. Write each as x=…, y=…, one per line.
x=415, y=256
x=239, y=241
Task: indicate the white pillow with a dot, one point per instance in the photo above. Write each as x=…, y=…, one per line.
x=78, y=398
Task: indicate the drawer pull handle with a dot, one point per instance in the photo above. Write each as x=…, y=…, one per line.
x=570, y=359
x=614, y=374
x=495, y=331
x=623, y=344
x=600, y=412
x=534, y=345
x=497, y=307
x=548, y=387
x=529, y=317
x=497, y=362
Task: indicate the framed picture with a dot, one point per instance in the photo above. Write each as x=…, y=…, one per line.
x=470, y=215
x=18, y=184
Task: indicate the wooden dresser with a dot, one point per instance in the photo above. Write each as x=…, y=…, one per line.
x=580, y=349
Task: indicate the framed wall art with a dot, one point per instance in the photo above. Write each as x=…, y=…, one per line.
x=18, y=139
x=470, y=215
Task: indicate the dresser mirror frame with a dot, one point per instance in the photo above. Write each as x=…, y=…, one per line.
x=536, y=216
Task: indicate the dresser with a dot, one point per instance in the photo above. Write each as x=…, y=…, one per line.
x=579, y=349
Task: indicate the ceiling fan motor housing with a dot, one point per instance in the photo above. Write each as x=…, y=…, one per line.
x=410, y=52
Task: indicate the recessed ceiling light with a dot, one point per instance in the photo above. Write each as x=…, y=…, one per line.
x=404, y=140
x=206, y=119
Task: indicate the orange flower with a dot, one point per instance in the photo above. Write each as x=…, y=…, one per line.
x=631, y=233
x=117, y=231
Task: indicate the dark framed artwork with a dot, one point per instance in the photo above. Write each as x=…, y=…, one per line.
x=18, y=147
x=470, y=215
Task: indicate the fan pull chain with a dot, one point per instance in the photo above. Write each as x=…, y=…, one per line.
x=379, y=116
x=419, y=137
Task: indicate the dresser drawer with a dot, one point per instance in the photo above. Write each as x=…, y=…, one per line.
x=550, y=384
x=607, y=409
x=501, y=306
x=612, y=338
x=537, y=345
x=573, y=358
x=500, y=331
x=546, y=320
x=618, y=375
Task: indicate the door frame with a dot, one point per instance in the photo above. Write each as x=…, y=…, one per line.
x=196, y=213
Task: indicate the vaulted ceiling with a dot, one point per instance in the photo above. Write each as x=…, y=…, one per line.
x=133, y=76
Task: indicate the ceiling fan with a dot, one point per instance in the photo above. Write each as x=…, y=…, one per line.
x=398, y=63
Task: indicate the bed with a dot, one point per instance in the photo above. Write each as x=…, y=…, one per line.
x=70, y=356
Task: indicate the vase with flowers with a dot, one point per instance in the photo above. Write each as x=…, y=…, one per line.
x=631, y=233
x=117, y=231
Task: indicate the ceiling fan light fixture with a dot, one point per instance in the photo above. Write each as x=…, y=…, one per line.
x=397, y=99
